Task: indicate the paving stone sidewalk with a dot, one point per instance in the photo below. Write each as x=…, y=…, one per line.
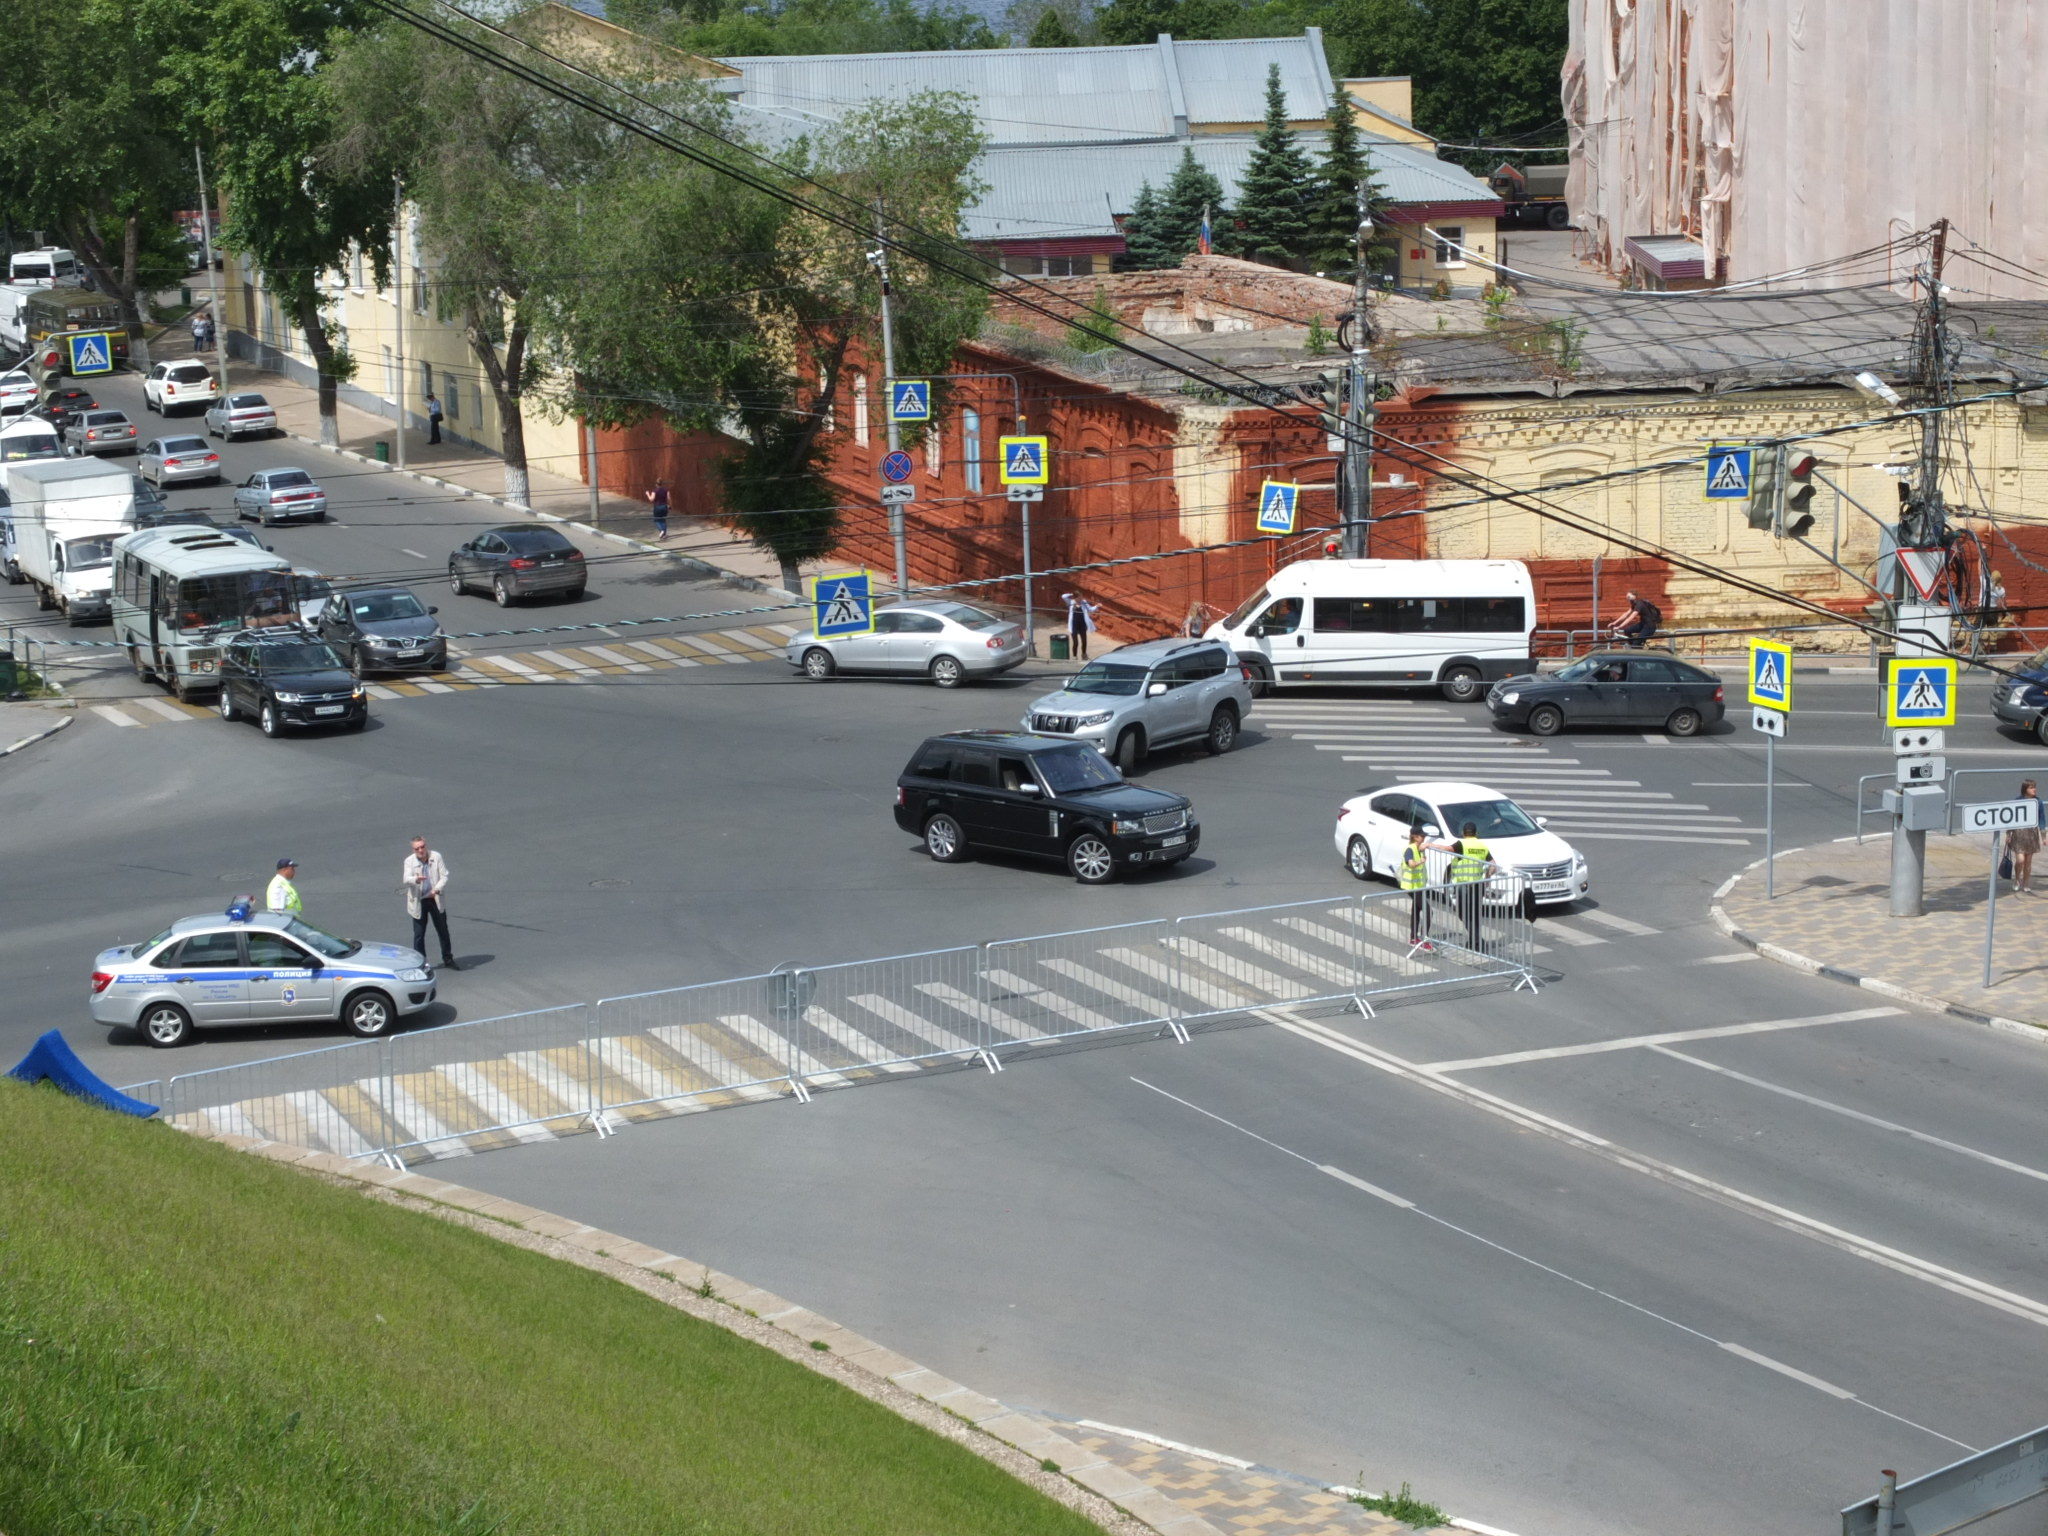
x=1832, y=915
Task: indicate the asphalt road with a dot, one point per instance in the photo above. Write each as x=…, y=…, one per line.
x=1759, y=1266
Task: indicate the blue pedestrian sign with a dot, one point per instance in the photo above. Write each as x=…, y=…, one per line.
x=1770, y=674
x=896, y=466
x=1024, y=461
x=1728, y=473
x=843, y=604
x=910, y=400
x=1277, y=501
x=92, y=352
x=1920, y=690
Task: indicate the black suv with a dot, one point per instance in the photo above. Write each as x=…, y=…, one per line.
x=1044, y=796
x=286, y=676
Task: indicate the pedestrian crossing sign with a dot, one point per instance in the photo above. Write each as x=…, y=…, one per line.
x=842, y=604
x=91, y=352
x=1025, y=461
x=1770, y=674
x=1728, y=473
x=1277, y=501
x=910, y=400
x=1920, y=690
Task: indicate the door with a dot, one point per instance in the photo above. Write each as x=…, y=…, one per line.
x=1388, y=818
x=286, y=982
x=864, y=653
x=1278, y=632
x=209, y=979
x=1602, y=699
x=1652, y=691
x=1175, y=714
x=1017, y=815
x=973, y=801
x=915, y=642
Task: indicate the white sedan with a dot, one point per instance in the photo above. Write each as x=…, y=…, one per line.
x=17, y=392
x=1372, y=828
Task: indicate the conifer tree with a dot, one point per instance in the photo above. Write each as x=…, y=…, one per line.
x=1145, y=245
x=1051, y=31
x=1333, y=215
x=1278, y=190
x=1190, y=189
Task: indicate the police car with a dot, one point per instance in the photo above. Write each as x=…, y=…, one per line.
x=249, y=967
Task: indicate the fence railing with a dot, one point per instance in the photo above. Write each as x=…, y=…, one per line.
x=531, y=1076
x=1958, y=784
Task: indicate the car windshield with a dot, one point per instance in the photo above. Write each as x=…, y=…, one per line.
x=2038, y=662
x=1580, y=670
x=1108, y=677
x=29, y=445
x=1080, y=768
x=1246, y=609
x=1491, y=818
x=184, y=445
x=88, y=554
x=296, y=657
x=966, y=617
x=139, y=950
x=378, y=607
x=322, y=943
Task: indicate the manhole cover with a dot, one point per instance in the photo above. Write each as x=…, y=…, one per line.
x=608, y=885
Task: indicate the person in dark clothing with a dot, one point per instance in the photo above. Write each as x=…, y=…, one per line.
x=1638, y=623
x=658, y=499
x=433, y=417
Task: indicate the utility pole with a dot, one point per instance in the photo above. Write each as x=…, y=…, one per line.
x=880, y=257
x=1361, y=407
x=398, y=309
x=220, y=330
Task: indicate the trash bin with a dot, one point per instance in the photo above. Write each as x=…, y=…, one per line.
x=185, y=297
x=10, y=682
x=383, y=448
x=1057, y=647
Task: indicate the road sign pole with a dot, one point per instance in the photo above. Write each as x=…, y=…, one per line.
x=1991, y=905
x=1770, y=818
x=897, y=537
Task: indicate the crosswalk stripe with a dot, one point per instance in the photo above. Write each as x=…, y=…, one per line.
x=705, y=643
x=1583, y=834
x=1622, y=924
x=436, y=688
x=1108, y=986
x=453, y=1108
x=624, y=1056
x=937, y=1036
x=535, y=1098
x=408, y=690
x=230, y=1119
x=581, y=656
x=745, y=1026
x=379, y=691
x=364, y=1115
x=562, y=663
x=1294, y=955
x=1418, y=761
x=508, y=664
x=500, y=1110
x=1577, y=821
x=1240, y=971
x=862, y=1048
x=159, y=707
x=331, y=1127
x=768, y=636
x=1210, y=995
x=607, y=655
x=1405, y=734
x=688, y=1042
x=986, y=1013
x=109, y=713
x=787, y=631
x=1051, y=1002
x=1551, y=928
x=420, y=1123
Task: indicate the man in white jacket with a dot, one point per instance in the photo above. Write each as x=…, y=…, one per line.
x=425, y=881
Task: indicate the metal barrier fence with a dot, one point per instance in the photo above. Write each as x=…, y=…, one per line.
x=1958, y=797
x=532, y=1076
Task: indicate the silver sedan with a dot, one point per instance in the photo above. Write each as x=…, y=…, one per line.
x=98, y=432
x=280, y=496
x=946, y=642
x=178, y=461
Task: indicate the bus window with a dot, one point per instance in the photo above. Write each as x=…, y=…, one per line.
x=1283, y=618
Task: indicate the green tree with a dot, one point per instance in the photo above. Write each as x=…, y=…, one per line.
x=1189, y=191
x=1095, y=329
x=1140, y=21
x=1052, y=31
x=1278, y=189
x=1333, y=211
x=721, y=28
x=249, y=84
x=1145, y=244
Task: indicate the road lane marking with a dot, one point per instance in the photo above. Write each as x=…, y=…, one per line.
x=109, y=713
x=564, y=663
x=413, y=552
x=1400, y=1202
x=158, y=706
x=1748, y=784
x=1655, y=837
x=379, y=691
x=1634, y=1042
x=1171, y=1445
x=1881, y=1254
x=1624, y=924
x=1854, y=1114
x=508, y=664
x=1554, y=929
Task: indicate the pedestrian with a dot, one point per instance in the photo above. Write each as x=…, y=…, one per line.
x=2022, y=843
x=658, y=499
x=1415, y=881
x=433, y=417
x=1470, y=866
x=283, y=895
x=199, y=329
x=1080, y=623
x=1638, y=622
x=425, y=878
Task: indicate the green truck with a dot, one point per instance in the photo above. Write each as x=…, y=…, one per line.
x=53, y=317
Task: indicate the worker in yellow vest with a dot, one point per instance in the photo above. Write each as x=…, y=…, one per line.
x=1471, y=863
x=1414, y=875
x=283, y=895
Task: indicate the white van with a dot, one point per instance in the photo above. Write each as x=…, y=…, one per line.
x=49, y=267
x=1452, y=624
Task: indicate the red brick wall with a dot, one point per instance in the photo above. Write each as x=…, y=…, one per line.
x=1227, y=293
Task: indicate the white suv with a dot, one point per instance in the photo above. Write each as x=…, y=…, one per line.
x=186, y=386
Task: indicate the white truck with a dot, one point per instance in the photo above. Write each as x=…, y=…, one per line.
x=14, y=317
x=65, y=517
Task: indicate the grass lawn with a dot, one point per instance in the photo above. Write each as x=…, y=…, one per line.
x=195, y=1341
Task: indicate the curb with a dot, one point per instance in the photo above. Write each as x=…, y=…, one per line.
x=1891, y=989
x=811, y=1340
x=739, y=579
x=42, y=735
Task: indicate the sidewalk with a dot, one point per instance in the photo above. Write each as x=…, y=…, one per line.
x=1832, y=917
x=22, y=725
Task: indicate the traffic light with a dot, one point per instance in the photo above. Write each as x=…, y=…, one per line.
x=1766, y=482
x=1797, y=488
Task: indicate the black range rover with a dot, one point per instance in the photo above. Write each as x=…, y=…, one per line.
x=1046, y=796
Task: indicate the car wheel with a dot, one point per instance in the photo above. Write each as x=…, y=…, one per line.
x=266, y=519
x=267, y=720
x=142, y=672
x=2041, y=730
x=501, y=592
x=1558, y=217
x=1461, y=685
x=44, y=601
x=944, y=840
x=947, y=672
x=819, y=665
x=1130, y=749
x=455, y=582
x=356, y=668
x=1090, y=860
x=165, y=1025
x=1222, y=731
x=1545, y=720
x=1358, y=859
x=224, y=705
x=574, y=594
x=1683, y=722
x=1262, y=679
x=368, y=1014
x=360, y=722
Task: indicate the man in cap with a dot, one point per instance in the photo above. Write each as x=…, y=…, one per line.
x=284, y=896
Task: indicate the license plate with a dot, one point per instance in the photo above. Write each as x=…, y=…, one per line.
x=329, y=709
x=1173, y=842
x=1552, y=887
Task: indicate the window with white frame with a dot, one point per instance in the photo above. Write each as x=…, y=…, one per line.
x=356, y=270
x=453, y=404
x=970, y=448
x=390, y=374
x=934, y=455
x=1450, y=245
x=860, y=410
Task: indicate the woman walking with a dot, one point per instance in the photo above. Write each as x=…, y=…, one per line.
x=1080, y=624
x=658, y=499
x=2022, y=843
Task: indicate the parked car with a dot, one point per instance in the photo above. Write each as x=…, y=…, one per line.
x=2021, y=698
x=519, y=560
x=287, y=676
x=281, y=496
x=1633, y=688
x=1372, y=828
x=98, y=432
x=17, y=392
x=179, y=386
x=1158, y=693
x=1042, y=796
x=240, y=415
x=384, y=629
x=178, y=461
x=947, y=642
x=242, y=966
x=63, y=401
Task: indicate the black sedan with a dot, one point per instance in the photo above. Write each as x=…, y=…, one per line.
x=384, y=629
x=2021, y=698
x=1621, y=688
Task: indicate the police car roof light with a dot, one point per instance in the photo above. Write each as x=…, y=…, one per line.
x=239, y=909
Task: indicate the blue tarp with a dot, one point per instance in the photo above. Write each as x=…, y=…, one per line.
x=51, y=1060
